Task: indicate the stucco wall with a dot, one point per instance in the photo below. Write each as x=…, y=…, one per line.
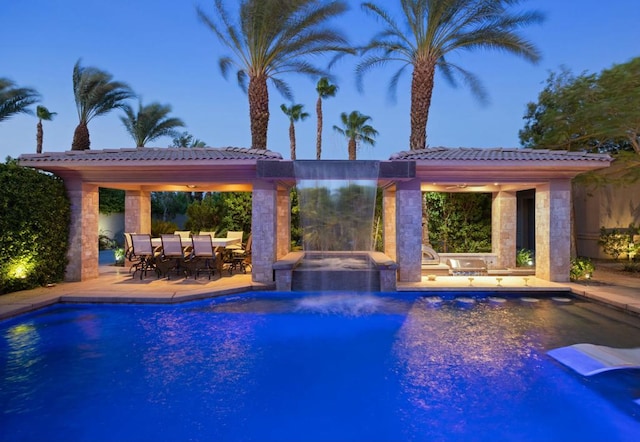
x=609, y=207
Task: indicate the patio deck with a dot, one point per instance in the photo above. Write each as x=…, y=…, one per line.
x=115, y=285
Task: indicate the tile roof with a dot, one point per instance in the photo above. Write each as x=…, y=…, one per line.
x=153, y=154
x=496, y=154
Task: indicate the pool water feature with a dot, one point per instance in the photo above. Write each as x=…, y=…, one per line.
x=312, y=366
x=322, y=271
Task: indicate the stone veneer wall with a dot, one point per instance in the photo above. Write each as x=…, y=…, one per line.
x=553, y=230
x=503, y=228
x=83, y=231
x=409, y=230
x=137, y=211
x=283, y=222
x=389, y=222
x=264, y=212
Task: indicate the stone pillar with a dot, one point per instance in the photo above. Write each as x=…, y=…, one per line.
x=389, y=222
x=83, y=253
x=264, y=229
x=504, y=211
x=283, y=220
x=137, y=211
x=553, y=230
x=409, y=230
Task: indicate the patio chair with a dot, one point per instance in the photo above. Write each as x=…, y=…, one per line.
x=203, y=256
x=145, y=254
x=235, y=234
x=173, y=255
x=241, y=257
x=128, y=252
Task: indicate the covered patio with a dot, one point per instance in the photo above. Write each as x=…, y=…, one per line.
x=501, y=172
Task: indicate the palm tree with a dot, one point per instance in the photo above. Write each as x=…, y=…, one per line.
x=439, y=28
x=15, y=100
x=355, y=128
x=272, y=38
x=43, y=114
x=185, y=139
x=295, y=114
x=150, y=122
x=96, y=93
x=325, y=90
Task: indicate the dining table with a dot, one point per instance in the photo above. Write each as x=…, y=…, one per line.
x=216, y=242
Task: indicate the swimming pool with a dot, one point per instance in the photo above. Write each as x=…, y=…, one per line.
x=282, y=366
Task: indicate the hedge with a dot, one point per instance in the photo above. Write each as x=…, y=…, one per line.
x=34, y=228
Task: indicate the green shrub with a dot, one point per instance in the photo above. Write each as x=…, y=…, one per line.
x=111, y=200
x=34, y=228
x=220, y=212
x=617, y=242
x=581, y=268
x=158, y=227
x=524, y=258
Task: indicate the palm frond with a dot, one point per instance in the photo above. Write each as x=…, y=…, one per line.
x=15, y=100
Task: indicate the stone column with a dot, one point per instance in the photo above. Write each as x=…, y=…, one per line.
x=504, y=210
x=264, y=223
x=389, y=222
x=137, y=211
x=283, y=220
x=83, y=253
x=553, y=230
x=409, y=230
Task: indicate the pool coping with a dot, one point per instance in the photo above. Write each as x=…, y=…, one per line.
x=115, y=285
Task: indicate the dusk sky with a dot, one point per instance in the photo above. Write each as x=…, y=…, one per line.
x=162, y=50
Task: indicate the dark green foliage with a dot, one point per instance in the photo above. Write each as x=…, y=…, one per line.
x=158, y=227
x=337, y=219
x=111, y=201
x=166, y=205
x=220, y=212
x=34, y=228
x=459, y=222
x=592, y=112
x=581, y=268
x=524, y=258
x=296, y=229
x=619, y=242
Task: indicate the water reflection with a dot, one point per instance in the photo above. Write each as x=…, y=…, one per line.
x=203, y=354
x=22, y=358
x=450, y=358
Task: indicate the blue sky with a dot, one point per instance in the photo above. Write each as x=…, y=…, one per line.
x=162, y=50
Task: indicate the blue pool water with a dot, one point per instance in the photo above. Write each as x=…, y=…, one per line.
x=296, y=367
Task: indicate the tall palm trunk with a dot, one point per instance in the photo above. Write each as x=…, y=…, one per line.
x=319, y=133
x=81, y=139
x=352, y=148
x=258, y=111
x=421, y=91
x=39, y=137
x=292, y=140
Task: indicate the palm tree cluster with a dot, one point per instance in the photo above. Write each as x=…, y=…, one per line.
x=273, y=37
x=269, y=39
x=95, y=93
